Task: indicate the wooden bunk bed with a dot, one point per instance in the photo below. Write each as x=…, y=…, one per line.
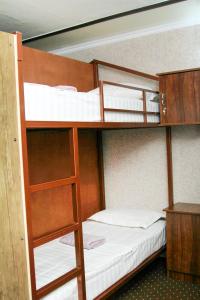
x=55, y=158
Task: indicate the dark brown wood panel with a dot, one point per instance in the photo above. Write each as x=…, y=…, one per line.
x=197, y=93
x=48, y=155
x=49, y=166
x=46, y=68
x=181, y=102
x=51, y=210
x=183, y=243
x=184, y=208
x=184, y=277
x=89, y=172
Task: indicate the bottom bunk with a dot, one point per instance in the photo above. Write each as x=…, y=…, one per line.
x=124, y=250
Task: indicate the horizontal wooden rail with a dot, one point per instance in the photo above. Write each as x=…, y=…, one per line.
x=124, y=69
x=52, y=184
x=54, y=235
x=57, y=282
x=129, y=87
x=132, y=111
x=97, y=124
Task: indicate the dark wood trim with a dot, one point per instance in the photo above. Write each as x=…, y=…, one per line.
x=101, y=169
x=113, y=288
x=57, y=283
x=169, y=166
x=56, y=234
x=101, y=20
x=124, y=69
x=98, y=124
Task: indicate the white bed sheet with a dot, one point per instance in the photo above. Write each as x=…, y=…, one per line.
x=124, y=250
x=44, y=103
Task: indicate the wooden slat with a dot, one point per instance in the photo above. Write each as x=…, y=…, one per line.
x=14, y=282
x=108, y=125
x=124, y=69
x=101, y=169
x=77, y=217
x=131, y=111
x=101, y=95
x=57, y=283
x=52, y=184
x=129, y=87
x=169, y=166
x=56, y=234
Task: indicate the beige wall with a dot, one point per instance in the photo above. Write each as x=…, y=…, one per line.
x=135, y=160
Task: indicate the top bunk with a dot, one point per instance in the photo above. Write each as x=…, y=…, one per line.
x=60, y=92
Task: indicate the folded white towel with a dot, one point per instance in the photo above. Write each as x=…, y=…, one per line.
x=89, y=241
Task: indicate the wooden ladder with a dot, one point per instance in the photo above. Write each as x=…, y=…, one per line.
x=74, y=181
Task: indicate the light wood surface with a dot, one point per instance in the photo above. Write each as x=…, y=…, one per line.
x=13, y=261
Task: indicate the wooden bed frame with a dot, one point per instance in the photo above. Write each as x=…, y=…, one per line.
x=75, y=175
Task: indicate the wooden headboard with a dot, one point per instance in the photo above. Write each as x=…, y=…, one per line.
x=46, y=68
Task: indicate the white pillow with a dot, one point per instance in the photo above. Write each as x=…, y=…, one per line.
x=127, y=217
x=66, y=88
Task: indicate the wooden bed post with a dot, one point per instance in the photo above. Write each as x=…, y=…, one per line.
x=96, y=73
x=77, y=214
x=15, y=283
x=101, y=170
x=169, y=166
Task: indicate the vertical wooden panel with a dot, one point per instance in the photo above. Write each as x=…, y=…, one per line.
x=101, y=170
x=182, y=100
x=89, y=173
x=77, y=214
x=183, y=245
x=169, y=166
x=14, y=278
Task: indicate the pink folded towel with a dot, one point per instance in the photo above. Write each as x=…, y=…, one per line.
x=89, y=241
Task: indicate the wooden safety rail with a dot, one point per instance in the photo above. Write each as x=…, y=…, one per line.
x=125, y=86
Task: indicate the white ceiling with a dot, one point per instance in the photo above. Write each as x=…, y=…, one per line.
x=36, y=17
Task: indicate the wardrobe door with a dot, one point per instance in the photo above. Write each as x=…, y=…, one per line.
x=180, y=98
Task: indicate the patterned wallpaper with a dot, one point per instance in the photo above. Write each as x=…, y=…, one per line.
x=135, y=160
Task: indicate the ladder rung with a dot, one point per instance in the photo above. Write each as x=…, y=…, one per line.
x=52, y=184
x=57, y=282
x=56, y=234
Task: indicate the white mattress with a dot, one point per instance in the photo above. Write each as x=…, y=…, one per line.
x=45, y=103
x=124, y=250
